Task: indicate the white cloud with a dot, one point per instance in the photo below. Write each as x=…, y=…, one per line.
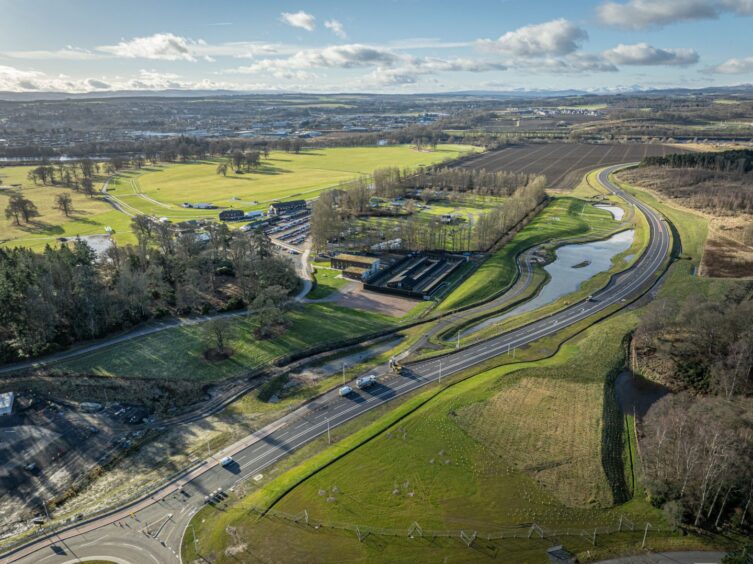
x=553, y=38
x=641, y=14
x=69, y=53
x=575, y=63
x=299, y=19
x=734, y=66
x=163, y=46
x=645, y=54
x=336, y=27
x=338, y=56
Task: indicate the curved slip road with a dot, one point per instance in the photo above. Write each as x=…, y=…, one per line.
x=152, y=528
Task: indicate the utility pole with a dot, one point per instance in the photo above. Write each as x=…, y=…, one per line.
x=440, y=371
x=457, y=345
x=209, y=449
x=329, y=437
x=343, y=373
x=46, y=512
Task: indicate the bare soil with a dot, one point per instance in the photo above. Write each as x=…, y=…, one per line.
x=726, y=258
x=565, y=164
x=354, y=296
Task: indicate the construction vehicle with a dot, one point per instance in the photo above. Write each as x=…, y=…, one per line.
x=396, y=367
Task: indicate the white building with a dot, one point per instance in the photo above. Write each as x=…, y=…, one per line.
x=6, y=403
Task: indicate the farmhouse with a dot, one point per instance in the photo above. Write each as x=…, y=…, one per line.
x=286, y=207
x=231, y=215
x=6, y=403
x=356, y=267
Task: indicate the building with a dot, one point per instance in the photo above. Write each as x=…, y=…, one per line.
x=356, y=267
x=231, y=215
x=258, y=214
x=286, y=207
x=6, y=403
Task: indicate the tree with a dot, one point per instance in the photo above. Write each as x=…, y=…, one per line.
x=222, y=169
x=88, y=187
x=269, y=306
x=217, y=330
x=18, y=207
x=64, y=203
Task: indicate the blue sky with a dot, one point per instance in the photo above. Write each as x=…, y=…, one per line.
x=374, y=46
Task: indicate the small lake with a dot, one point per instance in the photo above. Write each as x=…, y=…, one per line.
x=617, y=212
x=573, y=265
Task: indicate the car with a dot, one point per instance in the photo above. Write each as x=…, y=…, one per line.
x=345, y=390
x=226, y=461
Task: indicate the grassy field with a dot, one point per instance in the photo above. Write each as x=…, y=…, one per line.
x=90, y=216
x=159, y=190
x=540, y=442
x=564, y=217
x=327, y=281
x=178, y=353
x=282, y=176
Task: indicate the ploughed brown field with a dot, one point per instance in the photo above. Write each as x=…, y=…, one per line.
x=564, y=164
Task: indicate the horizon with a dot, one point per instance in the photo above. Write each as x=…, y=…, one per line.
x=401, y=48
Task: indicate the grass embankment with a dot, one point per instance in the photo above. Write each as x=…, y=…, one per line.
x=564, y=217
x=540, y=442
x=178, y=352
x=89, y=216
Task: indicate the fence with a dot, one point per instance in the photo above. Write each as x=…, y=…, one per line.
x=468, y=536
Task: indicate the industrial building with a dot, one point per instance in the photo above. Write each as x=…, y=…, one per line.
x=356, y=267
x=418, y=275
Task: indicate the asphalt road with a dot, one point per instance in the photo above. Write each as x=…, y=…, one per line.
x=152, y=529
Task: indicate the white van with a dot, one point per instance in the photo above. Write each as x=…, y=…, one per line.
x=345, y=390
x=226, y=461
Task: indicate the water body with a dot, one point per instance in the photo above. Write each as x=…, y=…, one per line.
x=617, y=212
x=564, y=278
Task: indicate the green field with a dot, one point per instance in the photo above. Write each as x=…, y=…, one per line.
x=178, y=352
x=564, y=217
x=537, y=443
x=282, y=176
x=90, y=216
x=160, y=190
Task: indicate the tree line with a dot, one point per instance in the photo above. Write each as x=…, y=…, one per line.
x=697, y=443
x=337, y=215
x=738, y=161
x=52, y=299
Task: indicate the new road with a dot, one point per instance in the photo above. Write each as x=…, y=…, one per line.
x=151, y=530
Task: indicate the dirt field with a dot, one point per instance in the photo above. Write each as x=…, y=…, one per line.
x=726, y=258
x=353, y=295
x=564, y=164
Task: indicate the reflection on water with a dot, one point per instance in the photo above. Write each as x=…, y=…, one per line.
x=616, y=211
x=564, y=278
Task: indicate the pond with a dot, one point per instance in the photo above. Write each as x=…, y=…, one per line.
x=573, y=265
x=617, y=212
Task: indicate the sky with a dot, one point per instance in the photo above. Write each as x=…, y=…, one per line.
x=394, y=46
